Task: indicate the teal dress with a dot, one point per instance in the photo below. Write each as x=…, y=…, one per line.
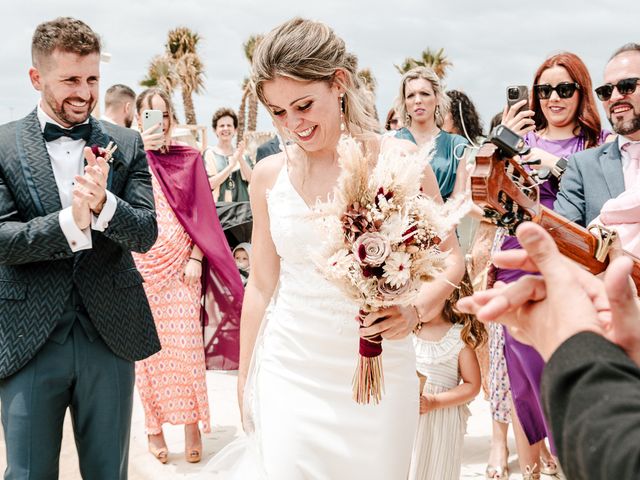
x=449, y=148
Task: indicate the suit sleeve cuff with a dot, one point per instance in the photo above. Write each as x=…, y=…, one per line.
x=101, y=222
x=76, y=238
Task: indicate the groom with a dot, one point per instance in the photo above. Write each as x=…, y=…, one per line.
x=73, y=313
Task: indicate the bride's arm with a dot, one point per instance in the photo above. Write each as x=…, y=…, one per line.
x=265, y=266
x=433, y=294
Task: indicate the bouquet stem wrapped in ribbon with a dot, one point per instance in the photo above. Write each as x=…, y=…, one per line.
x=383, y=242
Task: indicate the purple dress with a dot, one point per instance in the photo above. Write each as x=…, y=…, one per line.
x=524, y=364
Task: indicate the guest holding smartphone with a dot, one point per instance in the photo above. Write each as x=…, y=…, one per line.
x=562, y=120
x=190, y=259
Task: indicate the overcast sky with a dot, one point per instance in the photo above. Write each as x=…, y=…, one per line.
x=492, y=44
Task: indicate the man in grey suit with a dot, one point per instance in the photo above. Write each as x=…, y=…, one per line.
x=596, y=175
x=73, y=313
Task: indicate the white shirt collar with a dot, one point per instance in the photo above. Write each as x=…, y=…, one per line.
x=43, y=118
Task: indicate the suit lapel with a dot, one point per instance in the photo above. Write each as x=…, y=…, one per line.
x=611, y=164
x=36, y=166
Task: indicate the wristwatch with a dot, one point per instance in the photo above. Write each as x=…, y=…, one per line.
x=559, y=168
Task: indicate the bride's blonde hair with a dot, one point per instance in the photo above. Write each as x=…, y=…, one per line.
x=305, y=50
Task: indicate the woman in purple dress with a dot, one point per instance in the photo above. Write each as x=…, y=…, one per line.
x=563, y=120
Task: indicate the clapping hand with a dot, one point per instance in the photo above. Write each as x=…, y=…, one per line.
x=237, y=155
x=93, y=184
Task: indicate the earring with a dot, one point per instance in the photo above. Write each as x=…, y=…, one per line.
x=407, y=119
x=342, y=123
x=437, y=112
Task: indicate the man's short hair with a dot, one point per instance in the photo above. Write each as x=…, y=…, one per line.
x=224, y=112
x=118, y=94
x=65, y=34
x=627, y=47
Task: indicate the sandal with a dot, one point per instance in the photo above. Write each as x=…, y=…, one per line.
x=160, y=453
x=529, y=473
x=193, y=454
x=548, y=467
x=498, y=472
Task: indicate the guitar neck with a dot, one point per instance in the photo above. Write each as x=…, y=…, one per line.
x=578, y=243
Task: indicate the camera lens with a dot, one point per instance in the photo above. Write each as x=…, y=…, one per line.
x=513, y=93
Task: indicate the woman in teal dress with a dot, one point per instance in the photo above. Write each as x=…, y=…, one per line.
x=423, y=105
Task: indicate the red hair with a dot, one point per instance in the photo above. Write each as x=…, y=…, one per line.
x=587, y=113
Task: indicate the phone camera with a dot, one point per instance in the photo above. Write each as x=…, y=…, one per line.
x=513, y=93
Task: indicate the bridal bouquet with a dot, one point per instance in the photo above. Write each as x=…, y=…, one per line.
x=384, y=240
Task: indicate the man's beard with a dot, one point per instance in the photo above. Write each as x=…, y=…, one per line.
x=128, y=122
x=627, y=127
x=60, y=112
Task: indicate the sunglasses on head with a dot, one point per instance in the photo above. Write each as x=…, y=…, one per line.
x=625, y=87
x=563, y=89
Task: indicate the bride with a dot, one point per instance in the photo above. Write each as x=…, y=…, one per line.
x=299, y=334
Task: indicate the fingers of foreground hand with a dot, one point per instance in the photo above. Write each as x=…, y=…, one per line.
x=622, y=296
x=524, y=290
x=543, y=252
x=514, y=260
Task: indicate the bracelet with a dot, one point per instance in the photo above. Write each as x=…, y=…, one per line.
x=196, y=259
x=418, y=326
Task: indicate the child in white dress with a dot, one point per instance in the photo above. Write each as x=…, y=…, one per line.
x=445, y=356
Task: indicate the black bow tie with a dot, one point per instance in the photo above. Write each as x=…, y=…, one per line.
x=53, y=132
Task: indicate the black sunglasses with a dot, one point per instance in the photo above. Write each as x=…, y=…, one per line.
x=625, y=87
x=563, y=89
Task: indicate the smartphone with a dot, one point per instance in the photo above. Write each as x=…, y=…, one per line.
x=151, y=118
x=517, y=93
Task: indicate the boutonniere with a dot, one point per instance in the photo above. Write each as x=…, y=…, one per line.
x=106, y=153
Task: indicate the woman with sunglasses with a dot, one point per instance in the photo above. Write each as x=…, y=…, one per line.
x=562, y=120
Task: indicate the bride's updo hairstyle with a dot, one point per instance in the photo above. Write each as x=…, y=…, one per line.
x=305, y=50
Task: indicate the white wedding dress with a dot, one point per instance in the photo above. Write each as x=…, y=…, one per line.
x=302, y=420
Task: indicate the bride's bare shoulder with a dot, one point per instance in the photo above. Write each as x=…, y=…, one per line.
x=266, y=171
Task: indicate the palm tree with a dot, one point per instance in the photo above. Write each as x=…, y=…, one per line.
x=369, y=83
x=246, y=90
x=181, y=48
x=438, y=61
x=161, y=73
x=249, y=101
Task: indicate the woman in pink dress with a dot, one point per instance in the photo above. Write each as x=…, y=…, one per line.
x=190, y=259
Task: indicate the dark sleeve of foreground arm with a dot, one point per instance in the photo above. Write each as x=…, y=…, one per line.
x=591, y=397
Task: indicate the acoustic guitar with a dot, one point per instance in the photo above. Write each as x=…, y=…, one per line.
x=509, y=195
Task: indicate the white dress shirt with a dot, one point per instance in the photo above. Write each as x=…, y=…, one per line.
x=67, y=161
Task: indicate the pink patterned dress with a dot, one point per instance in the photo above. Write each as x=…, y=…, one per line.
x=172, y=383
